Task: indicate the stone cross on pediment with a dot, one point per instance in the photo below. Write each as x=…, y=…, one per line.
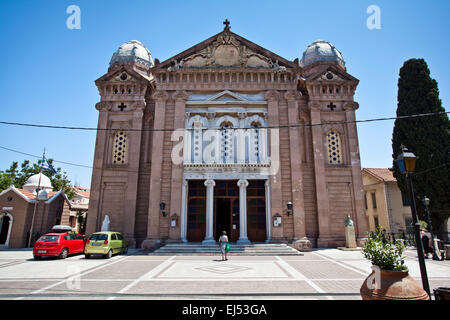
x=227, y=24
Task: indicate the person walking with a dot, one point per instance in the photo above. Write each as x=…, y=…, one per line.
x=223, y=241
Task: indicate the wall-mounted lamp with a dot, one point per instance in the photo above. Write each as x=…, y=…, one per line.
x=162, y=205
x=289, y=208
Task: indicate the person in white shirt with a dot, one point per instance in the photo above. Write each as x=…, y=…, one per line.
x=223, y=240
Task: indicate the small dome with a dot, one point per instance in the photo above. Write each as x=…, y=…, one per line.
x=33, y=182
x=321, y=50
x=43, y=195
x=133, y=51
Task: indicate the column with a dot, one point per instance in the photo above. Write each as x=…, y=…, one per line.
x=242, y=184
x=94, y=216
x=133, y=174
x=268, y=215
x=359, y=216
x=183, y=218
x=180, y=98
x=319, y=175
x=276, y=204
x=153, y=237
x=209, y=238
x=296, y=167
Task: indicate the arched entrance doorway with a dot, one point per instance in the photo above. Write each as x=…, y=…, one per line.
x=5, y=228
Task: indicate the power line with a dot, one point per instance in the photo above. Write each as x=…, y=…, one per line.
x=261, y=127
x=40, y=157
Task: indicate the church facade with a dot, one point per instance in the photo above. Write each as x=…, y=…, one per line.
x=227, y=136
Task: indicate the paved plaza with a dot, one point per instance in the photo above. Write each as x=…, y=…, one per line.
x=324, y=274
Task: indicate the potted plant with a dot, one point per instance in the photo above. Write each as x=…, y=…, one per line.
x=389, y=279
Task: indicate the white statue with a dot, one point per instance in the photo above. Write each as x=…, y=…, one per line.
x=105, y=224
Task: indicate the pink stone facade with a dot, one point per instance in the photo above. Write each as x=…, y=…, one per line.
x=149, y=102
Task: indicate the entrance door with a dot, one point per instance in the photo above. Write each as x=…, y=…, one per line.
x=226, y=209
x=196, y=213
x=256, y=211
x=223, y=217
x=4, y=228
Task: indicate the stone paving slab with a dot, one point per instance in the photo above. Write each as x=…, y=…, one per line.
x=14, y=289
x=128, y=269
x=323, y=270
x=251, y=288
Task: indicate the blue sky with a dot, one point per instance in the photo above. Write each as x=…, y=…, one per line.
x=48, y=71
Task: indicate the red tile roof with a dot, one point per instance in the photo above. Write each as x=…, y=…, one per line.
x=82, y=191
x=383, y=174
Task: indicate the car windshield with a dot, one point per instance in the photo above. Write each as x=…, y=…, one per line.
x=98, y=236
x=48, y=238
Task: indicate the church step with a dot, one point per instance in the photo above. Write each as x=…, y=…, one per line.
x=235, y=249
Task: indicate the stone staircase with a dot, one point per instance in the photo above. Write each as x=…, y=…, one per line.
x=262, y=249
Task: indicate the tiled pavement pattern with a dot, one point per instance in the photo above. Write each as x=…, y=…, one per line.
x=319, y=275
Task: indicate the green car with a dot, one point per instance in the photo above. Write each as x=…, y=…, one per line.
x=105, y=243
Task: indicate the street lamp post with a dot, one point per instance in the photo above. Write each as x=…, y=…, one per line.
x=426, y=202
x=406, y=162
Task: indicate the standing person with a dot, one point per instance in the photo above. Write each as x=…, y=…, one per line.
x=223, y=240
x=425, y=243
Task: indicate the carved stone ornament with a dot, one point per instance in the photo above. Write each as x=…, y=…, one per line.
x=226, y=51
x=103, y=106
x=351, y=105
x=330, y=76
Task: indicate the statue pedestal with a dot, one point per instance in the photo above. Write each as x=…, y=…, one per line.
x=350, y=238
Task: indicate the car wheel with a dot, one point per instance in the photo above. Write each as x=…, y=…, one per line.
x=87, y=256
x=37, y=257
x=109, y=254
x=125, y=250
x=64, y=253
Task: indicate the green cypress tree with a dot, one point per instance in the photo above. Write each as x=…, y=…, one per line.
x=427, y=137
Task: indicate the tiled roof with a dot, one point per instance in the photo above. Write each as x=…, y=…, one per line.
x=84, y=192
x=383, y=174
x=27, y=194
x=31, y=196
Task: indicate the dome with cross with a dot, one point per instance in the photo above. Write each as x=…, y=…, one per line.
x=133, y=51
x=321, y=50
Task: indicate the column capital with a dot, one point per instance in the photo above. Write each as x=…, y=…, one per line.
x=180, y=95
x=272, y=95
x=242, y=183
x=291, y=95
x=210, y=183
x=185, y=182
x=160, y=95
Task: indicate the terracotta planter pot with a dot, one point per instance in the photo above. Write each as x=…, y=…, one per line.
x=392, y=285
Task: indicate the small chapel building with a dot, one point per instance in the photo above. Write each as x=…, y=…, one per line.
x=227, y=136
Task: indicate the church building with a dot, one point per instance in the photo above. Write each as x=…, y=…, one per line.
x=227, y=136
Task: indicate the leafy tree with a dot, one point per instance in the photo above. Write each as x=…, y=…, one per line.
x=427, y=137
x=18, y=177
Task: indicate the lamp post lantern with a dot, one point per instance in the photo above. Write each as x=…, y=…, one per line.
x=406, y=162
x=426, y=202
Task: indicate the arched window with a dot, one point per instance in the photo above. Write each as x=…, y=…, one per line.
x=227, y=141
x=254, y=155
x=119, y=150
x=334, y=148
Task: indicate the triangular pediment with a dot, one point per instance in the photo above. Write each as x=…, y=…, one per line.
x=226, y=49
x=226, y=96
x=331, y=74
x=122, y=74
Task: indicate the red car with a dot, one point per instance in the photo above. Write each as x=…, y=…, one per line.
x=58, y=245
